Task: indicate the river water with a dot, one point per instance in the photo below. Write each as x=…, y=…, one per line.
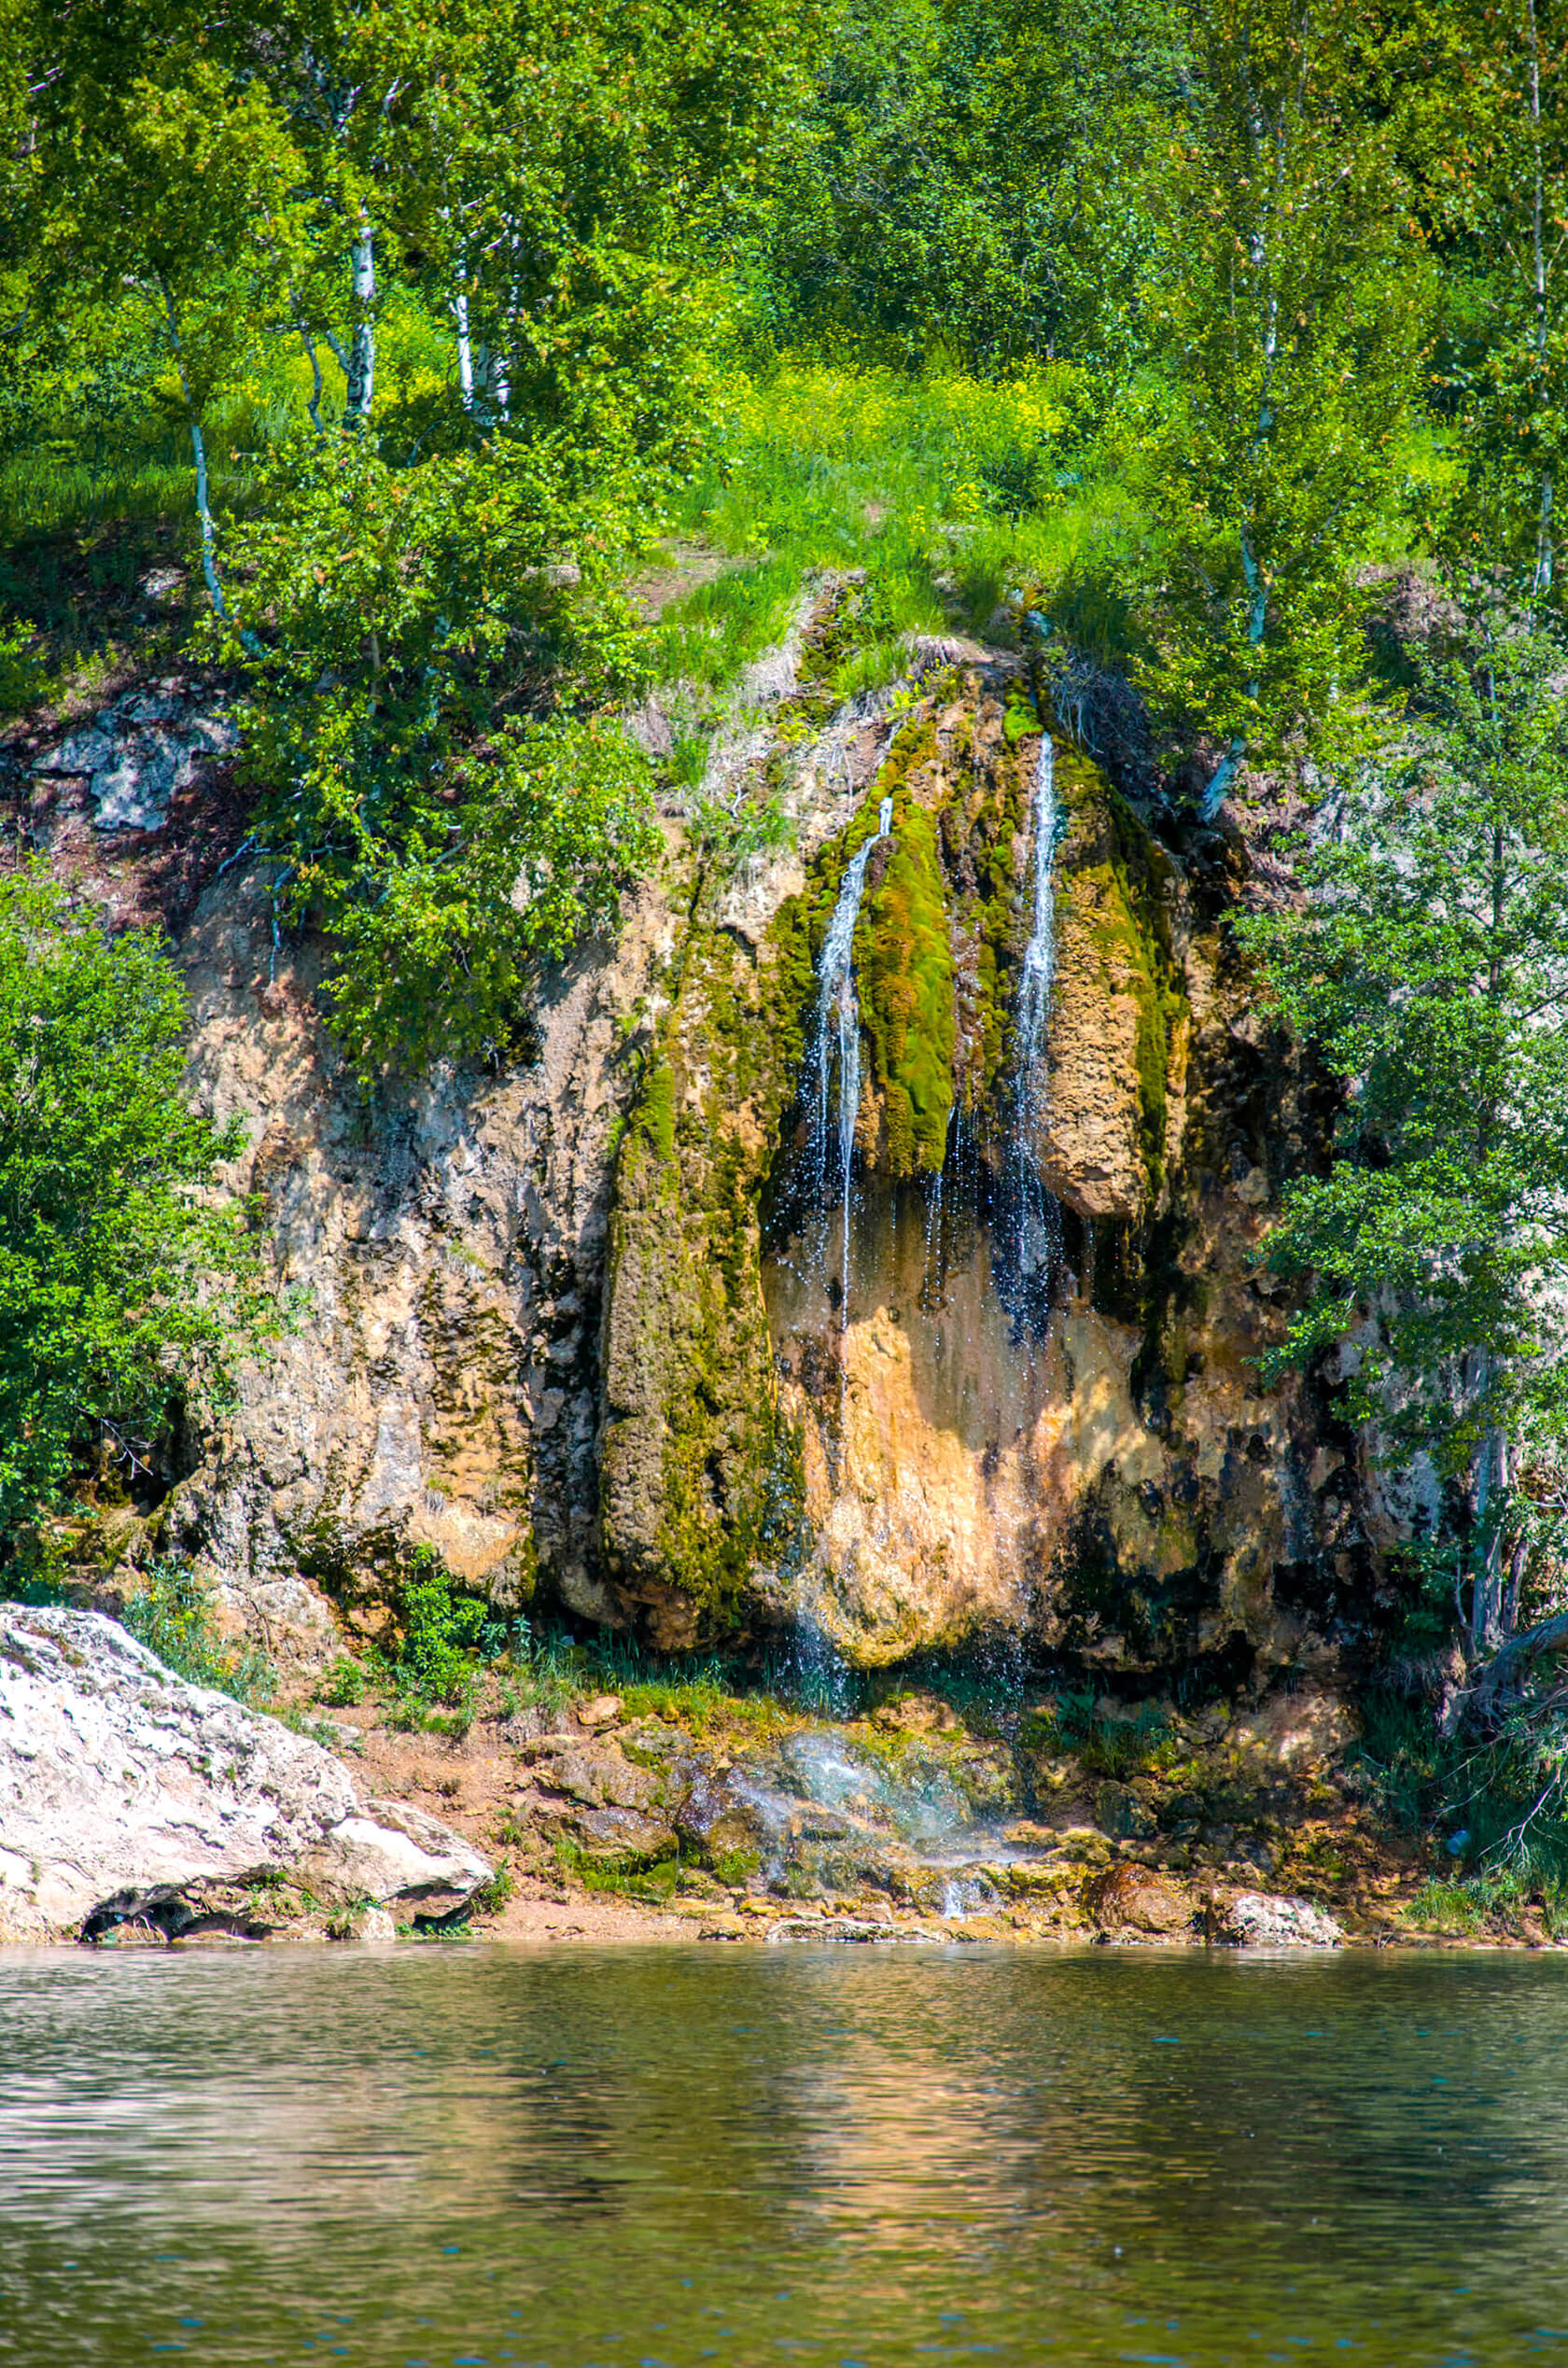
x=435, y=2156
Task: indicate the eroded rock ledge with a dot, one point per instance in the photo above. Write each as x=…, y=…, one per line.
x=123, y=1788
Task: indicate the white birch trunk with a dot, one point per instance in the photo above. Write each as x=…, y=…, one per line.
x=361, y=358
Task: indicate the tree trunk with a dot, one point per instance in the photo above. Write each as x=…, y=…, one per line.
x=1545, y=556
x=361, y=358
x=465, y=349
x=199, y=455
x=313, y=406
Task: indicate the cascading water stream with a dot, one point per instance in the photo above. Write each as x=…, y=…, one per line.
x=1034, y=1222
x=836, y=1043
x=834, y=1062
x=1039, y=953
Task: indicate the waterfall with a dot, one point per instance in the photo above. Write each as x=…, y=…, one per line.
x=837, y=1032
x=1039, y=953
x=1034, y=1231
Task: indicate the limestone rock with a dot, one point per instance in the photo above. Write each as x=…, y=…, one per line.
x=439, y=1386
x=623, y=1836
x=1120, y=1025
x=1123, y=1815
x=1129, y=1899
x=116, y=1776
x=580, y=1327
x=916, y=1714
x=716, y=1818
x=1258, y=1920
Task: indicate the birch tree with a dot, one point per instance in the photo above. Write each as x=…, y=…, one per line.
x=1429, y=967
x=160, y=184
x=1494, y=126
x=1292, y=327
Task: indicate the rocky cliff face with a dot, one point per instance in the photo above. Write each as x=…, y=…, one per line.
x=586, y=1330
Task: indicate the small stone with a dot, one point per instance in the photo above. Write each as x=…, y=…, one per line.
x=1134, y=1899
x=603, y=1710
x=1259, y=1920
x=1123, y=1814
x=624, y=1833
x=921, y=1714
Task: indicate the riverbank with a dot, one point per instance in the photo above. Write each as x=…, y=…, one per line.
x=1050, y=1820
x=136, y=1806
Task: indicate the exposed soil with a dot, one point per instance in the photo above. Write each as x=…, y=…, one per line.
x=523, y=1788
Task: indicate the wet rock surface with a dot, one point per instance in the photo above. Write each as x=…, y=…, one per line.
x=124, y=1791
x=912, y=1820
x=1253, y=1920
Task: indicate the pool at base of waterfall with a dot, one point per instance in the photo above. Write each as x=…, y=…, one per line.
x=656, y=2156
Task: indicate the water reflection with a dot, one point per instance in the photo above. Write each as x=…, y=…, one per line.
x=675, y=2156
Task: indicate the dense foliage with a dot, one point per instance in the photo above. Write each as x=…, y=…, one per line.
x=1428, y=965
x=123, y=1292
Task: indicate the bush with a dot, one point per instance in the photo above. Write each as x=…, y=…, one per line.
x=173, y=1615
x=404, y=634
x=123, y=1295
x=444, y=1635
x=342, y=1685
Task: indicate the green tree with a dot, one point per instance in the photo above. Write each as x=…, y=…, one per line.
x=1292, y=322
x=416, y=794
x=1428, y=966
x=125, y=1290
x=971, y=178
x=1490, y=132
x=166, y=189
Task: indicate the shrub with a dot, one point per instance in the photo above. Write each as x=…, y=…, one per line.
x=124, y=1295
x=342, y=1685
x=174, y=1614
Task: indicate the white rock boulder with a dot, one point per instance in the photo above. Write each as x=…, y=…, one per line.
x=1258, y=1920
x=116, y=1775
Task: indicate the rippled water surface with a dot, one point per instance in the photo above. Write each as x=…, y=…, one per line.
x=430, y=2157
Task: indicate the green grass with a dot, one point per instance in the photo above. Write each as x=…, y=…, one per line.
x=950, y=492
x=1459, y=1908
x=1114, y=1747
x=175, y=1615
x=1504, y=1794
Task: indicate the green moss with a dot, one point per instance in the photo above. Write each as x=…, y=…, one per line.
x=1021, y=716
x=655, y=1115
x=692, y=1441
x=905, y=964
x=1120, y=901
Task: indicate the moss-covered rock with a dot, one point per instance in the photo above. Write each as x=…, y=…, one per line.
x=904, y=960
x=692, y=1457
x=1120, y=1025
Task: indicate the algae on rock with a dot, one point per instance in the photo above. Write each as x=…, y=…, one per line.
x=906, y=997
x=689, y=1445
